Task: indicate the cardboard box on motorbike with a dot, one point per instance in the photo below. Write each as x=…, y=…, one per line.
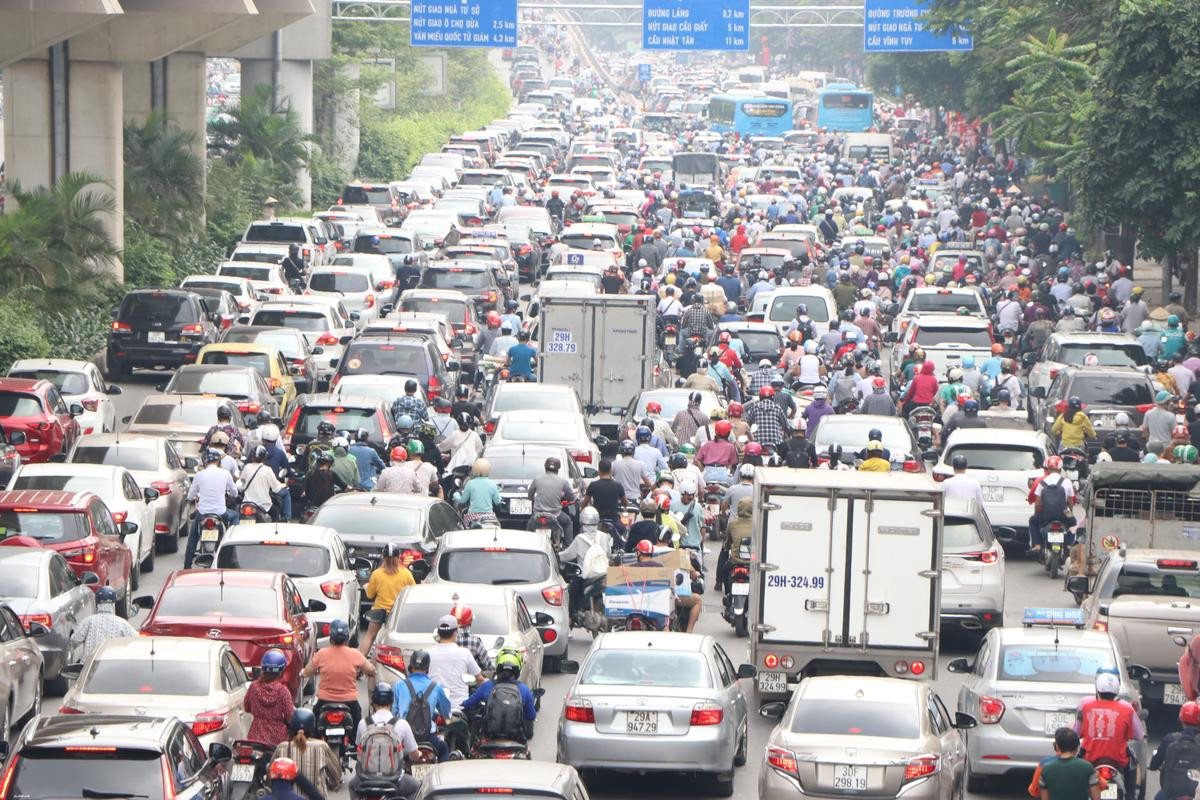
x=639, y=590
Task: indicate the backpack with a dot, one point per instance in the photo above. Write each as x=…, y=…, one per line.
x=1182, y=755
x=381, y=751
x=595, y=560
x=420, y=713
x=1054, y=500
x=504, y=717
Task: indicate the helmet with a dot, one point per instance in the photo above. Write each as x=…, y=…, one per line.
x=106, y=594
x=645, y=547
x=1074, y=403
x=324, y=457
x=766, y=391
x=1107, y=683
x=642, y=434
x=219, y=439
x=688, y=449
x=382, y=695
x=552, y=464
x=723, y=428
x=955, y=375
x=1053, y=463
x=971, y=407
x=508, y=660
x=968, y=362
x=493, y=319
x=463, y=614
x=753, y=449
x=736, y=409
x=626, y=447
x=415, y=447
x=339, y=631
x=723, y=336
x=392, y=549
x=1185, y=454
x=653, y=407
x=589, y=517
x=1189, y=713
x=404, y=422
x=398, y=454
x=303, y=719
x=326, y=429
x=419, y=661
x=997, y=349
x=274, y=662
x=283, y=769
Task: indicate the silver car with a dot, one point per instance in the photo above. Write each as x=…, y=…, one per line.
x=198, y=680
x=527, y=563
x=1024, y=683
x=183, y=419
x=972, y=569
x=654, y=701
x=40, y=587
x=21, y=675
x=853, y=735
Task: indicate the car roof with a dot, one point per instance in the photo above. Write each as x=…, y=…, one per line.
x=858, y=687
x=1049, y=634
x=31, y=556
x=114, y=730
x=392, y=499
x=1101, y=372
x=492, y=537
x=226, y=577
x=988, y=436
x=30, y=385
x=291, y=532
x=1094, y=337
x=326, y=399
x=441, y=294
x=659, y=640
x=65, y=468
x=187, y=369
x=518, y=775
x=238, y=347
x=51, y=363
x=45, y=500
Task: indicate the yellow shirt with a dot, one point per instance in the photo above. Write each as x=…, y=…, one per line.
x=385, y=587
x=875, y=465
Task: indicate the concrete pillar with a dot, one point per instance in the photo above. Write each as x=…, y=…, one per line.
x=137, y=92
x=95, y=130
x=296, y=89
x=186, y=82
x=27, y=139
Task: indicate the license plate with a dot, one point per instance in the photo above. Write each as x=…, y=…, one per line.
x=520, y=505
x=641, y=722
x=1054, y=537
x=848, y=776
x=334, y=732
x=739, y=588
x=242, y=773
x=993, y=494
x=1056, y=720
x=155, y=336
x=772, y=682
x=669, y=340
x=209, y=535
x=421, y=770
x=1173, y=694
x=1110, y=791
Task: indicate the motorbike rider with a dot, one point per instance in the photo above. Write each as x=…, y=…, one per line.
x=269, y=701
x=283, y=774
x=661, y=427
x=1179, y=754
x=1106, y=727
x=470, y=641
x=1072, y=427
x=418, y=682
x=480, y=496
x=718, y=456
x=339, y=665
x=293, y=264
x=577, y=552
x=549, y=492
x=921, y=391
x=102, y=625
x=259, y=484
x=500, y=721
x=210, y=486
x=322, y=482
x=386, y=583
x=219, y=442
x=367, y=459
x=225, y=425
x=967, y=416
x=1052, y=495
x=322, y=444
x=313, y=757
x=401, y=737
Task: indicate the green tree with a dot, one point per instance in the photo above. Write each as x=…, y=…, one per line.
x=265, y=138
x=163, y=178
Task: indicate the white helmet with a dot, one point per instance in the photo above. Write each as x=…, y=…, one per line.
x=1107, y=683
x=269, y=432
x=589, y=517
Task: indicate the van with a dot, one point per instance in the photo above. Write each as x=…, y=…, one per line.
x=779, y=307
x=867, y=146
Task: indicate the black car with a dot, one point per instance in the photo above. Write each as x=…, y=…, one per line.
x=115, y=755
x=399, y=354
x=158, y=328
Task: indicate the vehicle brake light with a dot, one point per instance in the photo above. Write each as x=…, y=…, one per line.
x=912, y=465
x=553, y=595
x=85, y=554
x=435, y=386
x=770, y=661
x=549, y=635
x=707, y=713
x=332, y=589
x=90, y=404
x=920, y=767
x=917, y=668
x=193, y=329
x=327, y=339
x=208, y=722
x=29, y=619
x=291, y=425
x=274, y=383
x=122, y=327
x=335, y=717
x=1176, y=563
x=276, y=640
x=409, y=556
x=249, y=408
x=494, y=790
x=782, y=760
x=1106, y=772
x=390, y=657
x=489, y=427
x=579, y=711
x=120, y=516
x=990, y=710
x=1100, y=625
x=68, y=710
x=582, y=455
x=90, y=748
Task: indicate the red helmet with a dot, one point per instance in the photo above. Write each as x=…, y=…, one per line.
x=1189, y=713
x=645, y=547
x=878, y=383
x=754, y=449
x=399, y=454
x=766, y=391
x=723, y=428
x=283, y=769
x=654, y=407
x=735, y=409
x=663, y=501
x=723, y=336
x=463, y=614
x=1053, y=463
x=493, y=319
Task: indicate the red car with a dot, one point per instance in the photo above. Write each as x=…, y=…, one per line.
x=36, y=409
x=80, y=527
x=252, y=610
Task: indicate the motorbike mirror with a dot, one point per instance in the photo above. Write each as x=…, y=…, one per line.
x=499, y=641
x=1138, y=672
x=204, y=560
x=419, y=570
x=190, y=463
x=1039, y=392
x=358, y=564
x=89, y=579
x=145, y=601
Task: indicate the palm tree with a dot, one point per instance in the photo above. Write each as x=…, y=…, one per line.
x=163, y=178
x=257, y=128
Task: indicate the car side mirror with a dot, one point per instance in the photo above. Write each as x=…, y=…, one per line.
x=315, y=606
x=316, y=351
x=959, y=665
x=747, y=671
x=17, y=438
x=525, y=297
x=386, y=309
x=204, y=560
x=590, y=472
x=602, y=442
x=1039, y=392
x=145, y=601
x=244, y=319
x=295, y=370
x=128, y=529
x=333, y=362
x=568, y=667
x=151, y=495
x=75, y=409
x=37, y=629
x=542, y=620
x=773, y=710
x=345, y=340
x=89, y=579
x=114, y=390
x=190, y=463
x=964, y=721
x=1138, y=672
x=71, y=671
x=1078, y=584
x=930, y=456
x=499, y=642
x=219, y=752
x=160, y=387
x=355, y=316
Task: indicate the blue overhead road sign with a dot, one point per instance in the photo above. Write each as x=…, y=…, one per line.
x=644, y=73
x=696, y=24
x=895, y=26
x=473, y=23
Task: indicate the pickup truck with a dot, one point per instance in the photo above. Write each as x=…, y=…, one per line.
x=946, y=340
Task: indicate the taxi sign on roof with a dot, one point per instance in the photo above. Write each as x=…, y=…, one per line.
x=1053, y=616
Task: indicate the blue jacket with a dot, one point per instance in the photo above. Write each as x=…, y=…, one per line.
x=439, y=702
x=481, y=694
x=369, y=464
x=276, y=458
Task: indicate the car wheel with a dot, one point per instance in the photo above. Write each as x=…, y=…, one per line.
x=739, y=758
x=722, y=784
x=134, y=579
x=115, y=369
x=147, y=564
x=976, y=783
x=56, y=686
x=551, y=664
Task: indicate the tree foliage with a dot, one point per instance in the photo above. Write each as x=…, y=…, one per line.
x=264, y=139
x=164, y=191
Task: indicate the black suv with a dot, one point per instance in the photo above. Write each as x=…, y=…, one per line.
x=115, y=755
x=158, y=328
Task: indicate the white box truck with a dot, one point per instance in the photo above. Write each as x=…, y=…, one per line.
x=600, y=345
x=845, y=577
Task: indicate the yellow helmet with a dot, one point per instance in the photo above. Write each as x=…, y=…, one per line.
x=671, y=278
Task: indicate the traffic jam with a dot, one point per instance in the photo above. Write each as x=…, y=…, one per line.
x=695, y=429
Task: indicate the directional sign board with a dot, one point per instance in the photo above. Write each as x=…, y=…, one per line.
x=895, y=26
x=696, y=24
x=468, y=23
x=644, y=73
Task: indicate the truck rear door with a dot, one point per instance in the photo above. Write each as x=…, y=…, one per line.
x=622, y=338
x=563, y=334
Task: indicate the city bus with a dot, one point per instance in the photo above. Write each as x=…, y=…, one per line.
x=749, y=115
x=842, y=108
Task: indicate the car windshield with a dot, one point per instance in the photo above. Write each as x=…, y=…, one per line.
x=366, y=196
x=259, y=361
x=941, y=261
x=490, y=620
x=539, y=431
x=232, y=383
x=1050, y=663
x=287, y=343
x=852, y=436
x=495, y=565
x=665, y=669
x=620, y=217
x=583, y=241
x=783, y=308
x=275, y=232
x=997, y=457
x=856, y=718
x=370, y=358
x=176, y=413
x=16, y=404
x=148, y=676
x=296, y=560
x=965, y=337
x=344, y=418
x=290, y=318
x=455, y=278
x=383, y=244
x=961, y=532
x=46, y=773
x=48, y=527
x=156, y=308
x=132, y=458
x=234, y=289
x=342, y=282
x=1144, y=579
x=1123, y=355
x=251, y=273
x=454, y=310
x=368, y=520
x=218, y=600
x=18, y=579
x=67, y=382
x=759, y=341
x=538, y=400
x=1111, y=390
x=100, y=486
x=516, y=468
x=943, y=303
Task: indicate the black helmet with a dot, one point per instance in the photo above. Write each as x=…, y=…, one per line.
x=224, y=414
x=211, y=457
x=848, y=315
x=324, y=457
x=510, y=305
x=419, y=661
x=325, y=429
x=875, y=435
x=339, y=631
x=959, y=462
x=382, y=695
x=303, y=720
x=363, y=435
x=1074, y=403
x=553, y=464
x=259, y=455
x=392, y=550
x=626, y=447
x=678, y=461
x=264, y=417
x=801, y=309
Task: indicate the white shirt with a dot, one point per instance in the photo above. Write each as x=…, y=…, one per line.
x=1066, y=482
x=403, y=729
x=209, y=487
x=258, y=481
x=810, y=369
x=962, y=487
x=447, y=664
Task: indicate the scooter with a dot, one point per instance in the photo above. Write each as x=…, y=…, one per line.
x=212, y=530
x=714, y=520
x=1054, y=554
x=248, y=770
x=251, y=513
x=736, y=598
x=590, y=616
x=333, y=725
x=1074, y=461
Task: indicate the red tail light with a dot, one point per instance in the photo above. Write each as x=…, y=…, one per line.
x=489, y=427
x=327, y=339
x=121, y=327
x=912, y=465
x=939, y=477
x=196, y=329
x=707, y=713
x=274, y=290
x=553, y=595
x=249, y=510
x=582, y=455
x=434, y=387
x=782, y=760
x=390, y=657
x=369, y=302
x=335, y=717
x=120, y=516
x=920, y=767
x=277, y=640
x=491, y=297
x=407, y=557
x=90, y=404
x=1106, y=772
x=226, y=323
x=985, y=556
x=68, y=710
x=83, y=555
x=210, y=523
x=332, y=589
x=249, y=408
x=990, y=710
x=291, y=425
x=29, y=619
x=549, y=635
x=209, y=722
x=579, y=711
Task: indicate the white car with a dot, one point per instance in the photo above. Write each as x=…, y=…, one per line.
x=259, y=253
x=313, y=556
x=1004, y=465
x=326, y=325
x=387, y=388
x=243, y=290
x=354, y=286
x=564, y=428
x=266, y=278
x=78, y=382
x=383, y=274
x=115, y=485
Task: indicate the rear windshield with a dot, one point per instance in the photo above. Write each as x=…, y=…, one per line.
x=349, y=521
x=973, y=261
x=148, y=676
x=226, y=384
x=961, y=532
x=346, y=282
x=64, y=483
x=1123, y=355
x=583, y=241
x=131, y=458
x=491, y=620
x=469, y=280
x=1061, y=664
x=286, y=343
x=47, y=773
x=539, y=431
x=784, y=308
x=19, y=579
x=217, y=600
x=14, y=404
x=296, y=320
x=251, y=273
x=944, y=303
x=454, y=310
x=366, y=358
x=177, y=413
x=47, y=527
x=296, y=560
x=496, y=566
x=363, y=196
x=156, y=308
x=274, y=233
x=1143, y=579
x=259, y=361
x=852, y=437
x=970, y=337
x=646, y=668
x=383, y=244
x=233, y=288
x=1111, y=391
x=343, y=418
x=537, y=400
x=843, y=718
x=997, y=457
x=67, y=382
x=620, y=217
x=759, y=341
x=514, y=468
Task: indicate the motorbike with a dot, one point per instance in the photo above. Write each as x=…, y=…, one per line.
x=590, y=616
x=251, y=513
x=923, y=421
x=506, y=749
x=714, y=519
x=1074, y=461
x=736, y=598
x=248, y=770
x=212, y=530
x=1054, y=554
x=333, y=725
x=378, y=790
x=548, y=525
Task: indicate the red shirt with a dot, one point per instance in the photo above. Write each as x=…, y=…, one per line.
x=730, y=358
x=1105, y=727
x=922, y=390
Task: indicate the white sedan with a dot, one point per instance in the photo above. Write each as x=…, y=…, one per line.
x=78, y=382
x=564, y=428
